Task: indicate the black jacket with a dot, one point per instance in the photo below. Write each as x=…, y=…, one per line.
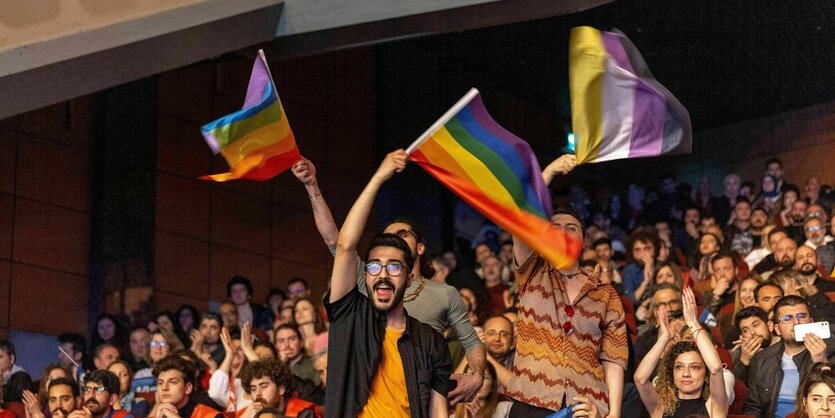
x=765, y=376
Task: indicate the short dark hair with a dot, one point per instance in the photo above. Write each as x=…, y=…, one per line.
x=750, y=312
x=776, y=230
x=276, y=291
x=766, y=284
x=79, y=343
x=723, y=254
x=394, y=241
x=773, y=160
x=759, y=209
x=7, y=347
x=267, y=345
x=565, y=210
x=212, y=317
x=298, y=280
x=291, y=327
x=238, y=280
x=602, y=241
x=67, y=381
x=647, y=235
x=105, y=378
x=790, y=300
x=275, y=369
x=742, y=199
x=176, y=362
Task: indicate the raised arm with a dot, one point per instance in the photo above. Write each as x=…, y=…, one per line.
x=305, y=171
x=643, y=374
x=707, y=350
x=344, y=276
x=562, y=165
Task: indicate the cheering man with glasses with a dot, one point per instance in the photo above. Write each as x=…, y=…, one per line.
x=775, y=372
x=382, y=362
x=435, y=304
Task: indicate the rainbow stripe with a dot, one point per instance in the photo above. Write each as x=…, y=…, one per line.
x=618, y=109
x=256, y=141
x=496, y=173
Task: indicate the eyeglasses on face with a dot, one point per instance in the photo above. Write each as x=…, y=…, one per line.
x=504, y=335
x=670, y=304
x=801, y=316
x=89, y=389
x=393, y=269
x=158, y=344
x=814, y=228
x=403, y=233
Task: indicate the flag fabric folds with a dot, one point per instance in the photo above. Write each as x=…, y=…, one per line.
x=256, y=141
x=618, y=109
x=496, y=173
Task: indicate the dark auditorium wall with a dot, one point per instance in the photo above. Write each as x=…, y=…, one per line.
x=45, y=205
x=206, y=233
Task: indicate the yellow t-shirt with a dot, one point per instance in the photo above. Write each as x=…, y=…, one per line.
x=388, y=397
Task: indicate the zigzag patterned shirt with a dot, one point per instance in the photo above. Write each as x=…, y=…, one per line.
x=550, y=364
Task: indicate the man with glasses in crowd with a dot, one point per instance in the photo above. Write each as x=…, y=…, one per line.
x=382, y=362
x=100, y=392
x=435, y=304
x=774, y=373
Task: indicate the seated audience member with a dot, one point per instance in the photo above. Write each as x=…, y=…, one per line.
x=104, y=355
x=188, y=316
x=290, y=346
x=690, y=379
x=100, y=394
x=826, y=254
x=816, y=395
x=176, y=393
x=759, y=222
x=724, y=279
x=297, y=288
x=239, y=292
x=767, y=294
x=199, y=394
x=207, y=338
x=761, y=251
x=63, y=398
x=709, y=244
x=15, y=378
x=793, y=283
x=310, y=324
x=270, y=385
x=491, y=268
x=168, y=321
x=642, y=250
x=499, y=340
x=774, y=373
x=486, y=403
x=806, y=262
x=665, y=272
x=275, y=298
x=50, y=373
x=109, y=331
x=229, y=395
x=604, y=252
x=229, y=314
x=753, y=328
x=744, y=298
x=815, y=231
x=740, y=231
x=320, y=363
x=128, y=401
x=138, y=344
x=791, y=194
x=161, y=344
x=769, y=262
x=74, y=345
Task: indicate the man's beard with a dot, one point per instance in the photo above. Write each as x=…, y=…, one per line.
x=798, y=219
x=264, y=402
x=94, y=406
x=808, y=269
x=396, y=299
x=63, y=412
x=786, y=263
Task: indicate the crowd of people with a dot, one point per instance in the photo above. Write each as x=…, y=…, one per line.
x=679, y=304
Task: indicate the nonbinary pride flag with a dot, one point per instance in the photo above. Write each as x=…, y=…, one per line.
x=496, y=173
x=618, y=109
x=256, y=141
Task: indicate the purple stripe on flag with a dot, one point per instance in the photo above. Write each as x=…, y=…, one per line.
x=611, y=41
x=648, y=118
x=258, y=82
x=531, y=163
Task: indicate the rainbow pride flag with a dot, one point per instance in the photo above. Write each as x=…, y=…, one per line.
x=618, y=109
x=256, y=141
x=496, y=173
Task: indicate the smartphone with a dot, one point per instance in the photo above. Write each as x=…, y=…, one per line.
x=821, y=329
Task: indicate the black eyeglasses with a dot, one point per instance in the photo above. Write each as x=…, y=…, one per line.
x=393, y=269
